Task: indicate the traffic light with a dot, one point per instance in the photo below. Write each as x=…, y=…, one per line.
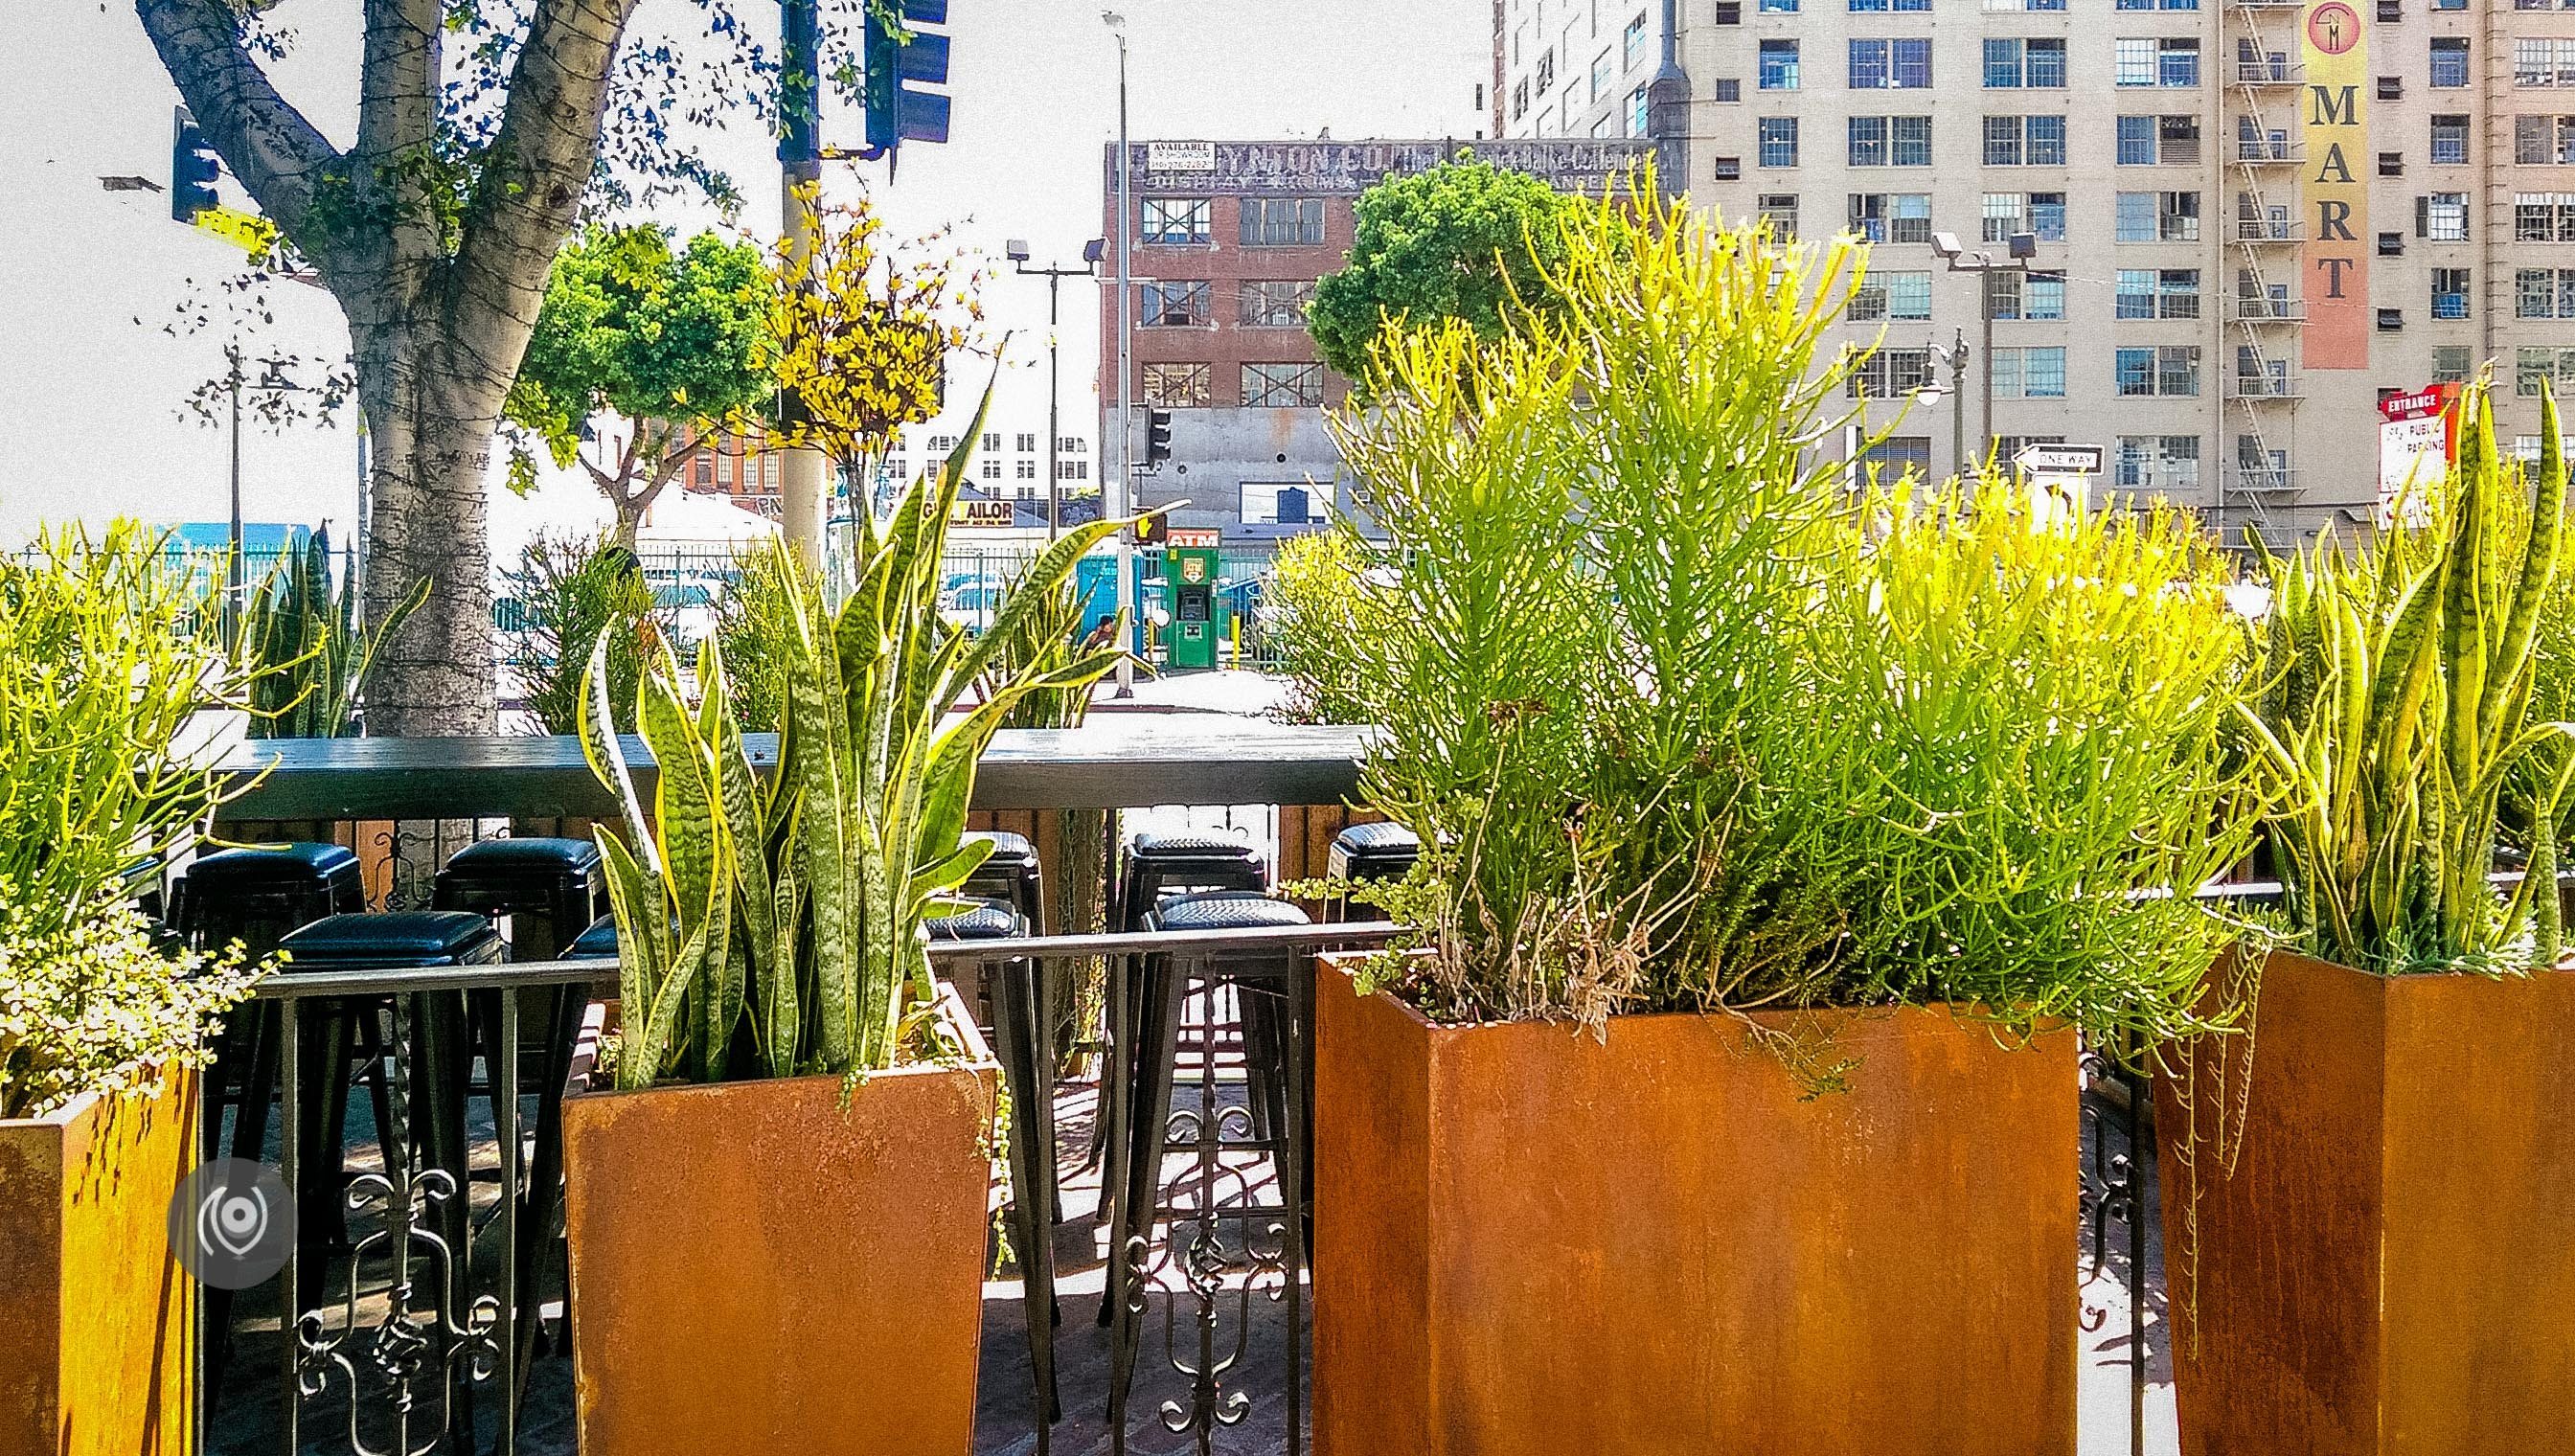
x=1158, y=437
x=897, y=58
x=1153, y=529
x=193, y=168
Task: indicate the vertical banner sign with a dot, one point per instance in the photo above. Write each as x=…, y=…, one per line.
x=2334, y=188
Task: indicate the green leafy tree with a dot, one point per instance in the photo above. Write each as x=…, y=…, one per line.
x=1460, y=241
x=668, y=340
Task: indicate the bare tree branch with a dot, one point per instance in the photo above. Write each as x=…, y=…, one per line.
x=275, y=153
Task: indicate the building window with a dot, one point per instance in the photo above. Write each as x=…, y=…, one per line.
x=2543, y=217
x=991, y=469
x=2543, y=293
x=2157, y=293
x=1177, y=221
x=2151, y=62
x=1073, y=469
x=1282, y=222
x=1778, y=141
x=2449, y=61
x=2449, y=293
x=2544, y=62
x=1728, y=169
x=1025, y=442
x=1172, y=303
x=2030, y=374
x=1603, y=75
x=1636, y=112
x=1892, y=295
x=2013, y=65
x=1072, y=445
x=1880, y=5
x=2165, y=464
x=2026, y=297
x=1890, y=141
x=2158, y=217
x=1897, y=455
x=1776, y=7
x=1727, y=89
x=1547, y=70
x=1778, y=64
x=2449, y=140
x=2030, y=141
x=2148, y=141
x=2391, y=164
x=1890, y=65
x=2450, y=362
x=1276, y=303
x=1026, y=470
x=1780, y=211
x=2169, y=370
x=1519, y=98
x=2039, y=213
x=1634, y=41
x=1281, y=385
x=1891, y=217
x=2543, y=141
x=2442, y=217
x=2019, y=5
x=2533, y=367
x=1889, y=373
x=1172, y=385
x=942, y=444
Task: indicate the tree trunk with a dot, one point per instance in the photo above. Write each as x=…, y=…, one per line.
x=432, y=420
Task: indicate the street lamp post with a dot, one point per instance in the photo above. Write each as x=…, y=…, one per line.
x=1017, y=250
x=2020, y=248
x=1121, y=479
x=1952, y=357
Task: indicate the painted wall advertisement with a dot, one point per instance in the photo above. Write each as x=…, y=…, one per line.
x=2418, y=437
x=2334, y=188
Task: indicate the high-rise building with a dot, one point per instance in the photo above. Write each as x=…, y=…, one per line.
x=1229, y=238
x=2252, y=219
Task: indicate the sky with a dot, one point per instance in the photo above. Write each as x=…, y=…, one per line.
x=92, y=387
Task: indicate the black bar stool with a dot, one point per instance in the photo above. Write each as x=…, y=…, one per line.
x=1009, y=874
x=1275, y=1075
x=1369, y=854
x=598, y=943
x=1027, y=1066
x=1155, y=867
x=334, y=1031
x=549, y=891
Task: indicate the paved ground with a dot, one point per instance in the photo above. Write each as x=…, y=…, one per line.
x=245, y=1418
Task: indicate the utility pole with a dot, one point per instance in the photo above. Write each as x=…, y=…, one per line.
x=2020, y=248
x=803, y=500
x=1954, y=357
x=233, y=558
x=1017, y=251
x=1122, y=476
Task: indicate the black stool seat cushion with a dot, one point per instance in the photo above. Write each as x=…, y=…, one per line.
x=493, y=859
x=988, y=920
x=1190, y=847
x=402, y=939
x=1010, y=850
x=273, y=865
x=1381, y=838
x=1226, y=910
x=598, y=943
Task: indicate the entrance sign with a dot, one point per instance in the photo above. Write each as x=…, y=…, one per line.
x=2418, y=437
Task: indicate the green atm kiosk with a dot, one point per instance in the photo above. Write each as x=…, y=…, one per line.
x=1189, y=564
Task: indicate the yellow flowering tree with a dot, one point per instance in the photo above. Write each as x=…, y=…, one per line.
x=860, y=350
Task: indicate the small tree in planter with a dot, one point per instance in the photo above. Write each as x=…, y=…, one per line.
x=2362, y=1277
x=789, y=1176
x=1713, y=767
x=100, y=1030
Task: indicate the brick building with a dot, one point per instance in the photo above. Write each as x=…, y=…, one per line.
x=1230, y=238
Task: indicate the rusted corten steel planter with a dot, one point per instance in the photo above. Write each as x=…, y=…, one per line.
x=758, y=1267
x=98, y=1321
x=2390, y=1268
x=1528, y=1241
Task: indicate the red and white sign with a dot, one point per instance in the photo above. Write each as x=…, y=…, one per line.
x=1194, y=536
x=2418, y=437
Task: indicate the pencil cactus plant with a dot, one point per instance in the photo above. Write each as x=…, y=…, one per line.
x=2397, y=714
x=790, y=908
x=309, y=659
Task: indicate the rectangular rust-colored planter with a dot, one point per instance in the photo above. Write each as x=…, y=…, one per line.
x=1529, y=1241
x=2390, y=1266
x=98, y=1321
x=759, y=1269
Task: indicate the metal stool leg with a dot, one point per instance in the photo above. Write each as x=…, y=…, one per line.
x=1016, y=1027
x=1138, y=1200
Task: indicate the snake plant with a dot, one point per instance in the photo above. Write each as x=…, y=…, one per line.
x=2397, y=713
x=774, y=926
x=307, y=659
